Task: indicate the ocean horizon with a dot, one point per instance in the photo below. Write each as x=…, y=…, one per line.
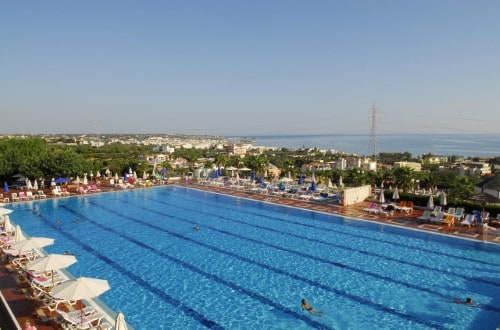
x=467, y=145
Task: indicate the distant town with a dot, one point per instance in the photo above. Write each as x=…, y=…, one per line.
x=272, y=161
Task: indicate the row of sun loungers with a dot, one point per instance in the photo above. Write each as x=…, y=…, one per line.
x=25, y=196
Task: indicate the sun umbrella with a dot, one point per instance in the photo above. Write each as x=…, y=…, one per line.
x=108, y=172
x=85, y=180
x=29, y=186
x=79, y=289
x=330, y=185
x=19, y=236
x=144, y=175
x=35, y=184
x=135, y=175
x=442, y=199
x=395, y=194
x=313, y=186
x=77, y=180
x=61, y=180
x=381, y=197
x=4, y=211
x=130, y=170
x=301, y=179
x=120, y=323
x=116, y=176
x=232, y=169
x=32, y=243
x=5, y=187
x=341, y=183
x=98, y=174
x=7, y=227
x=430, y=202
x=50, y=263
x=244, y=169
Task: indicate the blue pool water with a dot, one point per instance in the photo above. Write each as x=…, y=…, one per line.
x=250, y=264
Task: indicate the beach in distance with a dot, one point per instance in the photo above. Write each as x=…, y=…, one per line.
x=467, y=145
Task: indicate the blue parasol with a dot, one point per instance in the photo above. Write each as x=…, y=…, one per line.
x=61, y=180
x=252, y=175
x=5, y=187
x=313, y=186
x=261, y=181
x=301, y=179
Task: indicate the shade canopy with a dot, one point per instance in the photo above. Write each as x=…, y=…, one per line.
x=80, y=288
x=32, y=243
x=395, y=194
x=120, y=323
x=4, y=211
x=442, y=199
x=313, y=186
x=381, y=198
x=51, y=262
x=7, y=227
x=430, y=202
x=18, y=236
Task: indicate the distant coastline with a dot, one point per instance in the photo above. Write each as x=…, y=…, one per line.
x=467, y=145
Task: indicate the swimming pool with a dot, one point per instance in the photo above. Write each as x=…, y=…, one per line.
x=250, y=264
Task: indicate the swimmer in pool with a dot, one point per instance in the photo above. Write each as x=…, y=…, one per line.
x=305, y=306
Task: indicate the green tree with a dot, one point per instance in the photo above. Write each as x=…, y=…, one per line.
x=404, y=178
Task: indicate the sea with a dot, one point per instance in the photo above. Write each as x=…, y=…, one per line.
x=467, y=145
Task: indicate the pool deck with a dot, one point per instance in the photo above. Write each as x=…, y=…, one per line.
x=16, y=293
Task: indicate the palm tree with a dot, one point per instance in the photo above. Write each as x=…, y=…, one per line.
x=404, y=178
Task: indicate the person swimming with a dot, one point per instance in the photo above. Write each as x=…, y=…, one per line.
x=306, y=306
x=196, y=228
x=468, y=301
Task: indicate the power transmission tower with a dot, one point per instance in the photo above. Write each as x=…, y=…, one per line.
x=373, y=149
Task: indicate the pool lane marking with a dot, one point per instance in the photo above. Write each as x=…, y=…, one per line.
x=176, y=303
x=441, y=271
x=302, y=254
x=352, y=297
x=401, y=231
x=215, y=278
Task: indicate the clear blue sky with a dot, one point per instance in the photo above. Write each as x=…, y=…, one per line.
x=249, y=67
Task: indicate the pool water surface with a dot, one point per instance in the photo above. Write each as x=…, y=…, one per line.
x=250, y=264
